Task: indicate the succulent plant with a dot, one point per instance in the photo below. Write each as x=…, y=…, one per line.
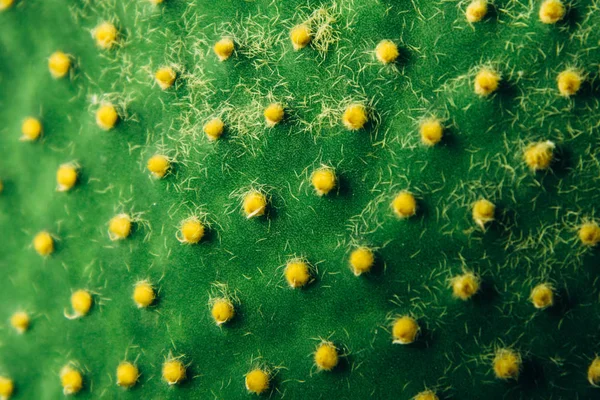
x=305, y=199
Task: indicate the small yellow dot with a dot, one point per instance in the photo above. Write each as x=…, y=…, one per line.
x=431, y=131
x=59, y=64
x=323, y=180
x=156, y=2
x=404, y=205
x=158, y=165
x=71, y=380
x=6, y=4
x=143, y=294
x=569, y=82
x=355, y=117
x=255, y=204
x=477, y=10
x=66, y=177
x=387, y=52
x=593, y=372
x=107, y=116
x=539, y=156
x=297, y=273
x=191, y=231
x=105, y=35
x=224, y=48
x=119, y=227
x=214, y=128
x=31, y=129
x=589, y=234
x=7, y=387
x=43, y=243
x=273, y=114
x=173, y=371
x=486, y=82
x=257, y=381
x=483, y=212
x=326, y=356
x=165, y=77
x=362, y=260
x=81, y=302
x=1, y=186
x=426, y=395
x=405, y=330
x=465, y=286
x=552, y=11
x=542, y=296
x=507, y=364
x=300, y=36
x=222, y=311
x=127, y=374
x=20, y=321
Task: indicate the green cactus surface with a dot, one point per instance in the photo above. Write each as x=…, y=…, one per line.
x=540, y=226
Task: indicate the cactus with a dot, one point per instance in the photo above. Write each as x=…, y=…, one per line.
x=304, y=199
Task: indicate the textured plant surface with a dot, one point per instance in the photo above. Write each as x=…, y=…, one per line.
x=533, y=238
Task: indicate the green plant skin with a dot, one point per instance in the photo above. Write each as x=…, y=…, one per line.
x=480, y=157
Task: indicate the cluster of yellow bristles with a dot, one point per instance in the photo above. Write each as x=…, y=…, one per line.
x=537, y=156
x=105, y=34
x=255, y=204
x=355, y=116
x=507, y=364
x=488, y=79
x=550, y=11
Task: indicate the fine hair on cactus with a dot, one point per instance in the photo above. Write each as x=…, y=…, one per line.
x=303, y=199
